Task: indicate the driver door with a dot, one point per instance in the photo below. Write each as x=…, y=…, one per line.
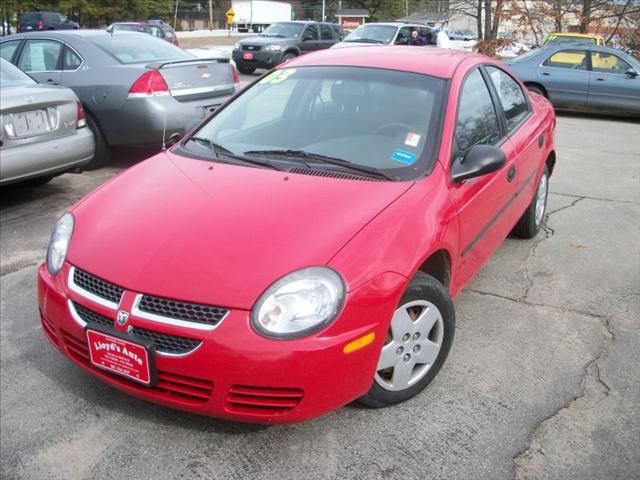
x=565, y=75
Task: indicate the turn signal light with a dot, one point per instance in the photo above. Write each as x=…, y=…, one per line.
x=150, y=83
x=359, y=343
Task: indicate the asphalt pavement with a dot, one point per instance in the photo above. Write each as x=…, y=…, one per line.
x=541, y=383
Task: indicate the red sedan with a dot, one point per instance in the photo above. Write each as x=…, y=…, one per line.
x=300, y=248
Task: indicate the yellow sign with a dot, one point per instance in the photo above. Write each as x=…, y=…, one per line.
x=230, y=14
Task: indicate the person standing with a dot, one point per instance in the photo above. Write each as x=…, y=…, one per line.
x=442, y=39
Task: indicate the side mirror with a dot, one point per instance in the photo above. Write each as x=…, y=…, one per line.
x=479, y=160
x=631, y=72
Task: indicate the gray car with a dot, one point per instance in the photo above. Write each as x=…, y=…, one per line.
x=136, y=89
x=42, y=129
x=387, y=33
x=282, y=41
x=584, y=78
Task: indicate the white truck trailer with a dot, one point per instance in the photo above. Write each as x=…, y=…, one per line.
x=257, y=15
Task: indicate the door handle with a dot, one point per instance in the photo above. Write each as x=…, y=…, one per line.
x=511, y=174
x=600, y=79
x=546, y=74
x=51, y=81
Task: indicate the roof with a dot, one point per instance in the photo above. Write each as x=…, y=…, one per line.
x=425, y=60
x=352, y=12
x=580, y=35
x=71, y=33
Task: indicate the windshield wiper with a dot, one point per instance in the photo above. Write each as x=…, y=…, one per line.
x=324, y=159
x=219, y=149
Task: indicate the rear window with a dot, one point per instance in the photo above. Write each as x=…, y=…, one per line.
x=128, y=27
x=11, y=76
x=128, y=48
x=30, y=17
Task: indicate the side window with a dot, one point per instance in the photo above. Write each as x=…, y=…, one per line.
x=325, y=31
x=7, y=49
x=40, y=56
x=311, y=33
x=570, y=59
x=477, y=121
x=403, y=36
x=71, y=59
x=511, y=96
x=608, y=63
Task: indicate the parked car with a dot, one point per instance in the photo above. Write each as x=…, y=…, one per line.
x=598, y=79
x=154, y=28
x=42, y=129
x=136, y=89
x=34, y=21
x=389, y=33
x=574, y=39
x=301, y=247
x=283, y=41
x=465, y=35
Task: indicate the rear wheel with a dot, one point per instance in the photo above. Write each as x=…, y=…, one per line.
x=533, y=218
x=417, y=344
x=103, y=152
x=245, y=69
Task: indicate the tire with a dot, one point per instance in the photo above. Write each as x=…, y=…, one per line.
x=244, y=69
x=287, y=56
x=537, y=89
x=533, y=218
x=424, y=299
x=102, y=154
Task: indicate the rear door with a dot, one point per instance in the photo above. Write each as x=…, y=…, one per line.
x=42, y=59
x=565, y=76
x=310, y=39
x=610, y=86
x=326, y=36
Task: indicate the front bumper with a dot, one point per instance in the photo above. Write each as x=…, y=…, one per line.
x=261, y=58
x=236, y=373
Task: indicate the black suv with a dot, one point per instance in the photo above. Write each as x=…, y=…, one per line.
x=33, y=21
x=284, y=40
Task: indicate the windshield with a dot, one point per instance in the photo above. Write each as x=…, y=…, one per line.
x=142, y=48
x=285, y=30
x=383, y=120
x=12, y=76
x=375, y=33
x=525, y=56
x=563, y=40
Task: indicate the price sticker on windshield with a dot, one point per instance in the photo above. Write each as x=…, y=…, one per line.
x=278, y=76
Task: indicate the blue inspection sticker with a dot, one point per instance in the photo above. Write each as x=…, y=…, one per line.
x=403, y=156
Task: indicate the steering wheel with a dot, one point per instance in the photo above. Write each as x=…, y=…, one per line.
x=391, y=126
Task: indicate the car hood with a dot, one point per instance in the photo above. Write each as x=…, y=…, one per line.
x=267, y=41
x=356, y=44
x=213, y=233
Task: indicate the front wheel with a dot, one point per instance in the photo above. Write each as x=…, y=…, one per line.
x=287, y=56
x=533, y=218
x=417, y=344
x=537, y=89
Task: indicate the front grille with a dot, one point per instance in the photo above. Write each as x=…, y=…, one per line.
x=164, y=343
x=251, y=48
x=190, y=312
x=262, y=400
x=171, y=386
x=97, y=286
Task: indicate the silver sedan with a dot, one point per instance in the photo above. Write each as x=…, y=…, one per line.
x=42, y=129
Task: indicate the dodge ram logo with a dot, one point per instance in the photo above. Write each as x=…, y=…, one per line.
x=122, y=318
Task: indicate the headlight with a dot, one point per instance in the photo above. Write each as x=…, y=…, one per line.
x=299, y=303
x=59, y=243
x=273, y=48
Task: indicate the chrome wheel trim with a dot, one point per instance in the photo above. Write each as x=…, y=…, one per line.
x=541, y=199
x=412, y=346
